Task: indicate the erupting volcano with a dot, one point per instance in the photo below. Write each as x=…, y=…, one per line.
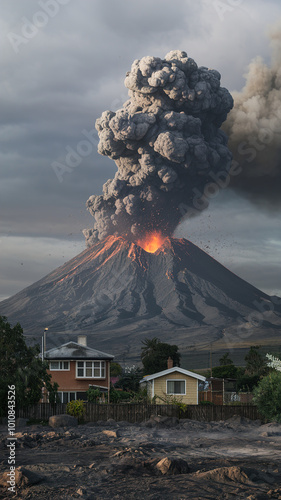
x=151, y=242
x=118, y=293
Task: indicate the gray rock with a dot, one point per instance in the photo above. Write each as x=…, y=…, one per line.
x=111, y=422
x=23, y=478
x=113, y=434
x=21, y=422
x=63, y=421
x=82, y=492
x=161, y=421
x=171, y=466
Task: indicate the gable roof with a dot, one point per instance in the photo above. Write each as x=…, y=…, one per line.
x=172, y=370
x=73, y=350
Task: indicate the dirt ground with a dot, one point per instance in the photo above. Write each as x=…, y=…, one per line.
x=237, y=458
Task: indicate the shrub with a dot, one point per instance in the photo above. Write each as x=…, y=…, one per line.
x=114, y=396
x=247, y=383
x=267, y=396
x=140, y=397
x=170, y=399
x=76, y=409
x=93, y=394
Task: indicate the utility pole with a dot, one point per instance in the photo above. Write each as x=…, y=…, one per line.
x=44, y=343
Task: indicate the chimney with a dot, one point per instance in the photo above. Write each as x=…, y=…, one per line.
x=170, y=362
x=82, y=340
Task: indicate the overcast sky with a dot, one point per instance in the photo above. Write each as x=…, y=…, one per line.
x=63, y=62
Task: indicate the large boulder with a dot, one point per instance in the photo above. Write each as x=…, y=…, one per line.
x=21, y=422
x=63, y=421
x=22, y=478
x=161, y=421
x=168, y=466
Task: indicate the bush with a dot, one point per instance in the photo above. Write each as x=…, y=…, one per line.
x=124, y=396
x=115, y=396
x=93, y=394
x=76, y=409
x=267, y=396
x=247, y=383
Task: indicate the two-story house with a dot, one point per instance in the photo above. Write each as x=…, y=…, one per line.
x=76, y=367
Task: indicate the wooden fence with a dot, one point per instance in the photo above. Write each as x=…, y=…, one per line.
x=208, y=413
x=133, y=413
x=136, y=413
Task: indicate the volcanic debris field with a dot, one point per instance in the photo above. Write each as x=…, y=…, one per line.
x=162, y=458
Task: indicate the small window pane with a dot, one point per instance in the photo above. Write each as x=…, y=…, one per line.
x=103, y=372
x=80, y=372
x=96, y=372
x=82, y=395
x=80, y=364
x=65, y=397
x=175, y=387
x=65, y=365
x=96, y=364
x=71, y=396
x=54, y=365
x=88, y=372
x=89, y=364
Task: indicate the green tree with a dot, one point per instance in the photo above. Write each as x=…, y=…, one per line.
x=225, y=371
x=115, y=370
x=255, y=362
x=267, y=396
x=22, y=367
x=155, y=355
x=225, y=360
x=130, y=380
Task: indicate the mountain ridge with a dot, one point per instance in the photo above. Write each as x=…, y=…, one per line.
x=119, y=294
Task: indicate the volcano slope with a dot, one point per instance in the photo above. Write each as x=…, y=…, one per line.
x=119, y=294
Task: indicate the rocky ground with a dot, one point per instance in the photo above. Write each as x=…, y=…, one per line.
x=160, y=459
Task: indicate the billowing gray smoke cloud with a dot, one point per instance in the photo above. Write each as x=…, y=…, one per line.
x=166, y=143
x=254, y=129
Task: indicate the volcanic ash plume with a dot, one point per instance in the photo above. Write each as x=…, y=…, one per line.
x=254, y=129
x=167, y=144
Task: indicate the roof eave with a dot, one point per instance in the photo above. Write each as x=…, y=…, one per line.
x=172, y=370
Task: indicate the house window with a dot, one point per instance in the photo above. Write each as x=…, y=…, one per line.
x=176, y=387
x=59, y=365
x=90, y=369
x=65, y=397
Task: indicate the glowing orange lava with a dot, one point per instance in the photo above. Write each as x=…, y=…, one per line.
x=151, y=242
